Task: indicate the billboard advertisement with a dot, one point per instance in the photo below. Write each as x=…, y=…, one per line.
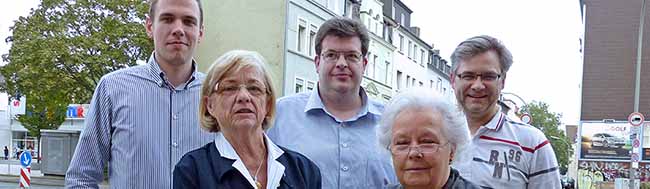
x=609, y=141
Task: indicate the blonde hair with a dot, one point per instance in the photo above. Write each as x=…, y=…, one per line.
x=230, y=63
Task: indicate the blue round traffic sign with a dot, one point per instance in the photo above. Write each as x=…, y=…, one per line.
x=26, y=159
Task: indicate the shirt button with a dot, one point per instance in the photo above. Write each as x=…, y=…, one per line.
x=345, y=168
x=345, y=145
x=174, y=144
x=175, y=117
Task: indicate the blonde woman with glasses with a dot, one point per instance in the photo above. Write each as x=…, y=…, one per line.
x=238, y=104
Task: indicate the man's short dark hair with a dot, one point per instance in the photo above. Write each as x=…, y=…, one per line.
x=342, y=27
x=152, y=9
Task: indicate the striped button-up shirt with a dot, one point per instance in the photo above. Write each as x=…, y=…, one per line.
x=141, y=125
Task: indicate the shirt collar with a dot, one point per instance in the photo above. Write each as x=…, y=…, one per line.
x=226, y=150
x=315, y=102
x=159, y=77
x=497, y=120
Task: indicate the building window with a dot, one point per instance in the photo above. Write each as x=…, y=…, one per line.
x=398, y=81
x=401, y=43
x=302, y=34
x=312, y=39
x=421, y=84
x=402, y=20
x=439, y=84
x=422, y=55
x=374, y=62
x=408, y=81
x=386, y=72
x=299, y=85
x=310, y=85
x=431, y=84
x=369, y=23
x=415, y=52
x=368, y=67
x=377, y=27
x=410, y=49
x=413, y=82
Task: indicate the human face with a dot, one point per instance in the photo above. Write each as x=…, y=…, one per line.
x=479, y=97
x=340, y=76
x=240, y=100
x=417, y=167
x=176, y=30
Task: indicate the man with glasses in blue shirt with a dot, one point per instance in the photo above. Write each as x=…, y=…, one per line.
x=504, y=153
x=334, y=126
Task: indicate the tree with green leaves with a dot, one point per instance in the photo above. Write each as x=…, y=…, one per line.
x=61, y=50
x=548, y=122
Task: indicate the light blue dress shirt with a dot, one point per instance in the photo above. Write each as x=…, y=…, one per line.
x=346, y=151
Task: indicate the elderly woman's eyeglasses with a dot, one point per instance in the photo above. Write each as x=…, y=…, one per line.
x=350, y=57
x=229, y=89
x=487, y=77
x=424, y=148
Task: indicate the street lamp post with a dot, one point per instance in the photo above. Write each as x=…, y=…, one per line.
x=637, y=83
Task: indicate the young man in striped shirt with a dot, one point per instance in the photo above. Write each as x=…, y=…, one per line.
x=504, y=153
x=143, y=119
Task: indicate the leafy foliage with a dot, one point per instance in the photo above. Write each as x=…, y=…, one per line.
x=548, y=122
x=60, y=51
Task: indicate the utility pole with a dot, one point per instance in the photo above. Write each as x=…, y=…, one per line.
x=637, y=85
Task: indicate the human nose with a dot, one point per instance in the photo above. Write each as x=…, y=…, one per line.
x=417, y=153
x=244, y=96
x=177, y=28
x=477, y=83
x=340, y=61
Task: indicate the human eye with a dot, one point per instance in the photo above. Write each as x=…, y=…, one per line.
x=229, y=88
x=189, y=22
x=330, y=55
x=255, y=90
x=490, y=76
x=166, y=18
x=353, y=57
x=467, y=76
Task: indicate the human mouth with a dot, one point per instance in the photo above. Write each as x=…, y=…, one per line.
x=417, y=169
x=177, y=43
x=244, y=110
x=477, y=96
x=342, y=75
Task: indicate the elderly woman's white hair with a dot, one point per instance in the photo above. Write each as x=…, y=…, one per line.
x=454, y=123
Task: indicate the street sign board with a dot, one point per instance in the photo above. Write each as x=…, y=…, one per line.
x=635, y=119
x=635, y=157
x=526, y=118
x=26, y=159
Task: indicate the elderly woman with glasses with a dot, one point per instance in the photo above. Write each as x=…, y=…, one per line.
x=424, y=133
x=238, y=104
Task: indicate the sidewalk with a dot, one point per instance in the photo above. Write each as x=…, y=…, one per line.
x=10, y=171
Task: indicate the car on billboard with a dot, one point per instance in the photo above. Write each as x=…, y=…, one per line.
x=607, y=140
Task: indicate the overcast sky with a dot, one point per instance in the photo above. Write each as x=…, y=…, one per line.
x=10, y=11
x=543, y=36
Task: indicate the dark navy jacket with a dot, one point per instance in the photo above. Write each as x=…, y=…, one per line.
x=205, y=168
